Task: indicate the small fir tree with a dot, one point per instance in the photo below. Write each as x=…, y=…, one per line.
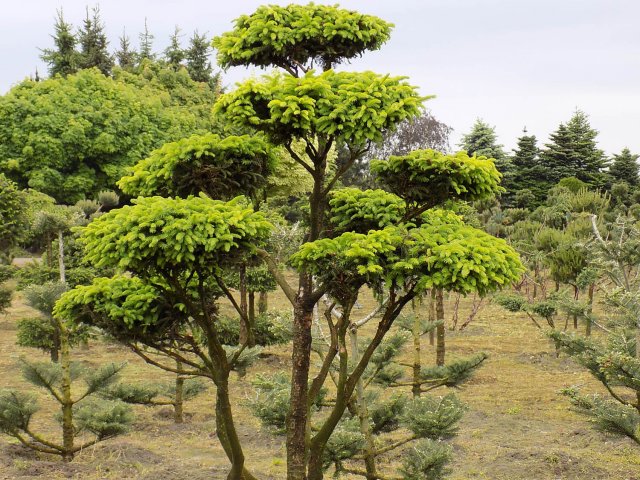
x=83, y=418
x=125, y=56
x=64, y=58
x=573, y=152
x=174, y=54
x=93, y=44
x=197, y=57
x=146, y=44
x=483, y=141
x=625, y=168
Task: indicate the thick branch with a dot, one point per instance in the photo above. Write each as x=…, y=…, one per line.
x=277, y=274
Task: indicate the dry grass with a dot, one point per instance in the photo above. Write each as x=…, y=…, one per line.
x=517, y=426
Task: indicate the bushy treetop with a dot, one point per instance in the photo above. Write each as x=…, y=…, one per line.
x=355, y=107
x=220, y=167
x=355, y=210
x=164, y=234
x=126, y=301
x=74, y=136
x=430, y=177
x=297, y=36
x=439, y=255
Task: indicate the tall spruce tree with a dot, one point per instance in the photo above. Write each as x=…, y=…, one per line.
x=528, y=172
x=174, y=54
x=146, y=44
x=197, y=56
x=625, y=168
x=573, y=152
x=63, y=59
x=483, y=141
x=125, y=56
x=93, y=44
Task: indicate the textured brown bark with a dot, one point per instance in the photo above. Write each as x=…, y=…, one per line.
x=298, y=429
x=432, y=316
x=178, y=405
x=415, y=332
x=297, y=446
x=247, y=334
x=440, y=330
x=263, y=302
x=252, y=310
x=454, y=318
x=363, y=415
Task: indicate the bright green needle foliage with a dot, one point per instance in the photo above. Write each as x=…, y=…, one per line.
x=427, y=177
x=355, y=210
x=355, y=107
x=294, y=36
x=443, y=255
x=158, y=234
x=128, y=303
x=220, y=167
x=359, y=211
x=459, y=258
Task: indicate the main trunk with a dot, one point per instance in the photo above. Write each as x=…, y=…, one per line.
x=415, y=332
x=67, y=402
x=247, y=333
x=298, y=431
x=177, y=406
x=440, y=330
x=226, y=431
x=263, y=302
x=297, y=441
x=363, y=416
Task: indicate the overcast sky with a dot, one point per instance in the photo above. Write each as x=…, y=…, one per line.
x=513, y=63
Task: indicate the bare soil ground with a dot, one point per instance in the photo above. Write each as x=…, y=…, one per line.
x=517, y=426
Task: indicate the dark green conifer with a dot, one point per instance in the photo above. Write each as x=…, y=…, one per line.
x=125, y=56
x=197, y=56
x=483, y=141
x=174, y=54
x=625, y=168
x=528, y=172
x=573, y=152
x=93, y=44
x=146, y=44
x=63, y=59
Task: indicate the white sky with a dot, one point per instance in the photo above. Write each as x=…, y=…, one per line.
x=510, y=62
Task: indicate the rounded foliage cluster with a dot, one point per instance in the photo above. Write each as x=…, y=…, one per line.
x=430, y=177
x=220, y=167
x=288, y=36
x=158, y=234
x=353, y=106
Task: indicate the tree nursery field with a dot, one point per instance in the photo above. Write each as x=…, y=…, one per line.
x=299, y=276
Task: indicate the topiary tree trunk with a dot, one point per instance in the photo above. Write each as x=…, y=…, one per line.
x=440, y=329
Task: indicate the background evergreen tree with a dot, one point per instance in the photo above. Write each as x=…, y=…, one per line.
x=482, y=140
x=146, y=44
x=125, y=56
x=573, y=152
x=174, y=54
x=93, y=44
x=625, y=168
x=528, y=172
x=197, y=56
x=63, y=59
